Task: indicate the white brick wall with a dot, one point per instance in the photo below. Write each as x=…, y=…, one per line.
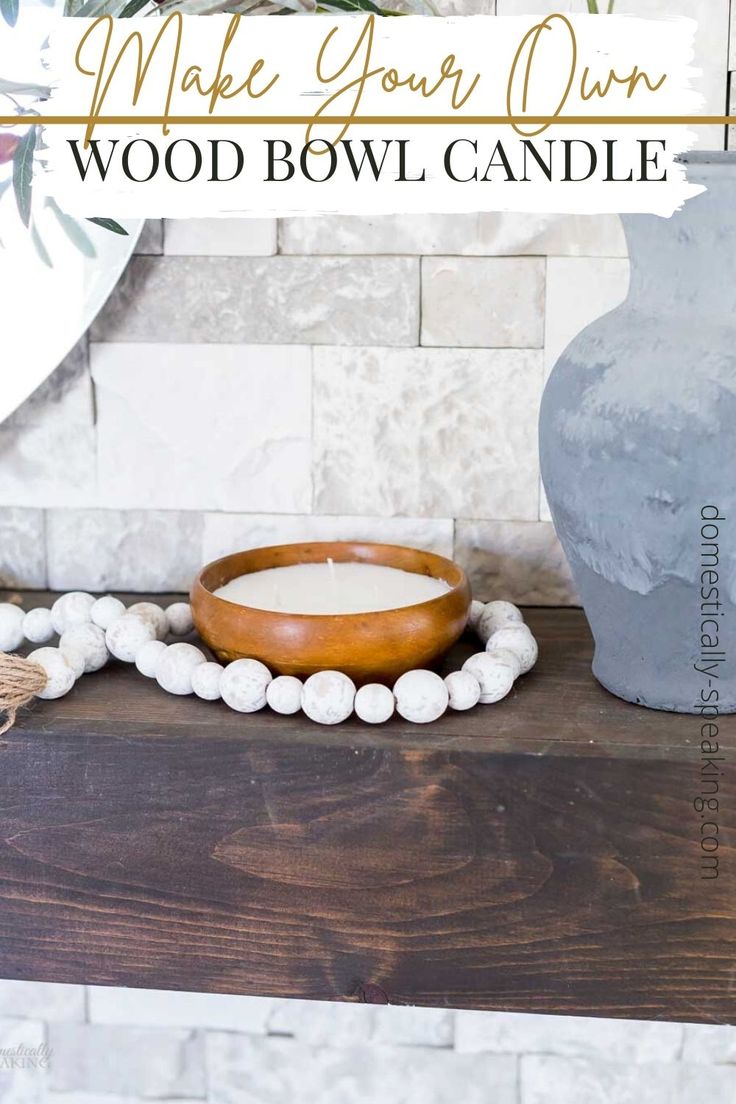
x=114, y=1045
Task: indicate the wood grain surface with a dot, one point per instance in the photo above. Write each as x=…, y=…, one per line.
x=539, y=855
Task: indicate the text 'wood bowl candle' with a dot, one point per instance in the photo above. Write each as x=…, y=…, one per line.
x=372, y=611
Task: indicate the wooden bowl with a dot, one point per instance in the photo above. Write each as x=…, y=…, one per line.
x=370, y=647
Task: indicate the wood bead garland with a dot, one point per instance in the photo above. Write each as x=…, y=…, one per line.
x=495, y=678
x=105, y=611
x=126, y=635
x=421, y=696
x=89, y=642
x=206, y=678
x=148, y=656
x=463, y=690
x=38, y=626
x=176, y=666
x=328, y=697
x=94, y=629
x=374, y=703
x=243, y=685
x=284, y=695
x=11, y=627
x=71, y=609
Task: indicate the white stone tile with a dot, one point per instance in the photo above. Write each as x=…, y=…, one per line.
x=483, y=302
x=706, y=1043
x=487, y=234
x=158, y=1008
x=427, y=432
x=104, y=1098
x=40, y=1000
x=322, y=1023
x=151, y=240
x=510, y=234
x=579, y=290
x=22, y=1040
x=548, y=1080
x=22, y=548
x=66, y=395
x=48, y=464
x=520, y=561
x=126, y=1061
x=220, y=237
x=397, y=1025
x=569, y=1036
x=249, y=1070
x=138, y=550
x=225, y=533
x=218, y=427
x=271, y=300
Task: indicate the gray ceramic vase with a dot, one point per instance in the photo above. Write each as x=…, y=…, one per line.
x=638, y=453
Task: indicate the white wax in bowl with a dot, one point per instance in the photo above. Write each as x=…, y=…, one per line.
x=331, y=588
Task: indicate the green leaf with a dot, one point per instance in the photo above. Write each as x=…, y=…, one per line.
x=19, y=88
x=73, y=230
x=9, y=11
x=611, y=5
x=109, y=224
x=40, y=247
x=353, y=6
x=133, y=7
x=593, y=7
x=91, y=9
x=23, y=173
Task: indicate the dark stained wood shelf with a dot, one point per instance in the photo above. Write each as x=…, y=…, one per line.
x=539, y=855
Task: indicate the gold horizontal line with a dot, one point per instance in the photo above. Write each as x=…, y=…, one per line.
x=370, y=120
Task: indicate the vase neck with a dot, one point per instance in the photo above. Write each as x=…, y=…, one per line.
x=688, y=262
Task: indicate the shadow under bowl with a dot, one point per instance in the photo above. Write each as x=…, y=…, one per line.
x=369, y=647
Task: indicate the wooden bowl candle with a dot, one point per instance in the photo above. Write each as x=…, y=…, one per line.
x=376, y=645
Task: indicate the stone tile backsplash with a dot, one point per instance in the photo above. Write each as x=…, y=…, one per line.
x=427, y=432
x=126, y=1046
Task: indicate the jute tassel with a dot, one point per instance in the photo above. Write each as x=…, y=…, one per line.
x=20, y=681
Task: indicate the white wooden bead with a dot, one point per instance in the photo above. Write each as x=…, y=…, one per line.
x=175, y=668
x=206, y=680
x=328, y=697
x=284, y=695
x=464, y=690
x=374, y=703
x=518, y=638
x=476, y=609
x=71, y=609
x=37, y=626
x=59, y=675
x=243, y=685
x=127, y=635
x=496, y=679
x=75, y=659
x=148, y=657
x=11, y=627
x=105, y=611
x=421, y=696
x=179, y=616
x=505, y=655
x=89, y=641
x=149, y=611
x=494, y=616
